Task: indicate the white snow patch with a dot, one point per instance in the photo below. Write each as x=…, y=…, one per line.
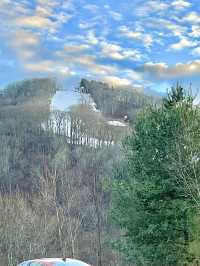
x=116, y=123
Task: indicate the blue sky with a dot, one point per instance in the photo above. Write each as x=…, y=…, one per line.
x=146, y=44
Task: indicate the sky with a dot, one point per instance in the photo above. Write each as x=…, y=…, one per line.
x=148, y=44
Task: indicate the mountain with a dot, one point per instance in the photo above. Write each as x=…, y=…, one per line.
x=117, y=102
x=55, y=167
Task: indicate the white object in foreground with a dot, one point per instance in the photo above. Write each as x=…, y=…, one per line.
x=54, y=262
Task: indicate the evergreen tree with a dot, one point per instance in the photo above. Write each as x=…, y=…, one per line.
x=176, y=94
x=149, y=201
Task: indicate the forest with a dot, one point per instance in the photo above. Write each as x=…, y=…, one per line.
x=53, y=169
x=73, y=185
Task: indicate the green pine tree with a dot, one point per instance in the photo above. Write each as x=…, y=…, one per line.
x=150, y=202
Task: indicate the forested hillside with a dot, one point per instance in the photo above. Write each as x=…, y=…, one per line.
x=54, y=167
x=24, y=107
x=117, y=102
x=74, y=184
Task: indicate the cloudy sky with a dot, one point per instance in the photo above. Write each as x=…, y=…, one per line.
x=145, y=43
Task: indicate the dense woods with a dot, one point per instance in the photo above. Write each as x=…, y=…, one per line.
x=53, y=166
x=74, y=185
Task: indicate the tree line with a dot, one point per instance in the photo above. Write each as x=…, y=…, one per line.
x=117, y=102
x=52, y=196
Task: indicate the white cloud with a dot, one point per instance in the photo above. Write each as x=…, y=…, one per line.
x=41, y=11
x=130, y=34
x=92, y=8
x=177, y=30
x=115, y=15
x=174, y=28
x=146, y=39
x=196, y=51
x=117, y=52
x=86, y=25
x=61, y=18
x=25, y=38
x=45, y=16
x=158, y=5
x=163, y=71
x=183, y=43
x=25, y=44
x=131, y=54
x=75, y=48
x=26, y=54
x=86, y=62
x=157, y=68
x=116, y=81
x=133, y=75
x=111, y=50
x=37, y=22
x=195, y=31
x=91, y=38
x=48, y=66
x=48, y=3
x=192, y=17
x=21, y=9
x=181, y=4
x=68, y=5
x=151, y=6
x=90, y=65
